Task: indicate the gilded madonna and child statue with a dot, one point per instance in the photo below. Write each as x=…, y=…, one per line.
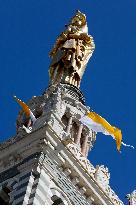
x=46, y=161
x=70, y=56
x=71, y=52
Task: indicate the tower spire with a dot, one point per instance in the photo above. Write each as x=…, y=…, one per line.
x=46, y=162
x=71, y=52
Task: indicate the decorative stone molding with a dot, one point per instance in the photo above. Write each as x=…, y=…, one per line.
x=102, y=176
x=9, y=142
x=82, y=190
x=132, y=198
x=75, y=180
x=61, y=179
x=10, y=160
x=54, y=106
x=90, y=199
x=83, y=160
x=60, y=194
x=67, y=172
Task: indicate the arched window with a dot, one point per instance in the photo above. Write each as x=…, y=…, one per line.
x=65, y=121
x=58, y=197
x=38, y=112
x=74, y=130
x=4, y=195
x=56, y=200
x=82, y=140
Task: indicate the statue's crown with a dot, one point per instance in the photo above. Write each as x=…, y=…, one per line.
x=79, y=19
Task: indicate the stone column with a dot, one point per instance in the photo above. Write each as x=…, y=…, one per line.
x=77, y=138
x=84, y=145
x=69, y=125
x=87, y=149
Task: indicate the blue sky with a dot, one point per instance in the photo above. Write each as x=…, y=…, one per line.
x=28, y=30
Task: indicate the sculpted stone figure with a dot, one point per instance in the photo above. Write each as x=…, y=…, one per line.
x=71, y=52
x=132, y=198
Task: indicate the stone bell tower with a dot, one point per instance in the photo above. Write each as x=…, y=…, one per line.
x=46, y=163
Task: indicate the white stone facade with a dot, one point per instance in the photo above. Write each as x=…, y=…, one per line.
x=45, y=165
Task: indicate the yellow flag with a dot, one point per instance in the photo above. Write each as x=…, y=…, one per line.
x=26, y=109
x=99, y=124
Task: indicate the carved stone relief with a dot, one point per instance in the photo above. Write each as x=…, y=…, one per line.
x=102, y=176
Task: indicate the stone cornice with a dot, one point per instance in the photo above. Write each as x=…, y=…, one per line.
x=46, y=138
x=86, y=169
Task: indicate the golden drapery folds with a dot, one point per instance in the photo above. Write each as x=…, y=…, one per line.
x=71, y=52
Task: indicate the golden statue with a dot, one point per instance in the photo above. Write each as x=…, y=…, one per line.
x=71, y=52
